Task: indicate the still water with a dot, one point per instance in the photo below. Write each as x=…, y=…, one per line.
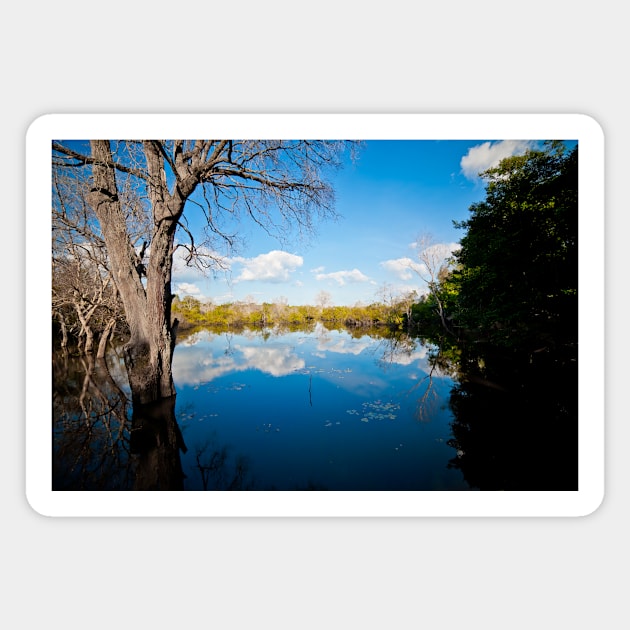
x=318, y=410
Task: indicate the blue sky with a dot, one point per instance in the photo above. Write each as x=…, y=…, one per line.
x=395, y=191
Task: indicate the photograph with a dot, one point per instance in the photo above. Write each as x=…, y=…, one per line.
x=387, y=309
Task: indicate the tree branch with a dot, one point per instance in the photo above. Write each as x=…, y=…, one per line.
x=87, y=159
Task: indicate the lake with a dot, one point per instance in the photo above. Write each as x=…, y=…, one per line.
x=304, y=410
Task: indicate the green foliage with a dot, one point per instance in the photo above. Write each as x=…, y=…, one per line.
x=516, y=281
x=193, y=312
x=423, y=312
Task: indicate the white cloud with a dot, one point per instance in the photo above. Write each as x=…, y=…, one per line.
x=275, y=266
x=342, y=277
x=404, y=268
x=192, y=280
x=186, y=288
x=208, y=258
x=489, y=154
x=408, y=269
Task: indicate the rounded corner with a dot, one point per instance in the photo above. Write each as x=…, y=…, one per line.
x=593, y=125
x=39, y=121
x=594, y=506
x=32, y=505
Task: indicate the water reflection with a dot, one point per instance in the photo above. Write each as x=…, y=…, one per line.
x=101, y=443
x=321, y=409
x=516, y=421
x=315, y=409
x=156, y=442
x=209, y=356
x=302, y=410
x=91, y=426
x=198, y=364
x=218, y=472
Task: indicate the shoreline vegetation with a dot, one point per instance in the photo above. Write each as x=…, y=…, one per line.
x=191, y=312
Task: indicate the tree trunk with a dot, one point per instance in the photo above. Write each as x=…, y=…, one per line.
x=149, y=357
x=148, y=353
x=89, y=340
x=64, y=331
x=440, y=310
x=102, y=344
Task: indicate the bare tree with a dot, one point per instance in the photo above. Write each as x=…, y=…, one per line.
x=85, y=299
x=323, y=299
x=435, y=259
x=84, y=302
x=386, y=293
x=276, y=184
x=280, y=307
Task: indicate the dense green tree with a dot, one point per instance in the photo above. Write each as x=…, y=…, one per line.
x=516, y=280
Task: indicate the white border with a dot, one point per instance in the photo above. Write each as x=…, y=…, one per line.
x=322, y=126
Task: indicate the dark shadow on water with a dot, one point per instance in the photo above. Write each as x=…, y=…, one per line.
x=516, y=421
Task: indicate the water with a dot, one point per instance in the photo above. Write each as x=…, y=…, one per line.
x=319, y=410
x=323, y=410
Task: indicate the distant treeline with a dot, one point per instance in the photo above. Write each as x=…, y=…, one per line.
x=192, y=312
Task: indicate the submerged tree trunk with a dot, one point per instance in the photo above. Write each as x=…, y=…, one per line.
x=148, y=353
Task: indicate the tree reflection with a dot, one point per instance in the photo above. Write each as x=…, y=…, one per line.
x=217, y=473
x=91, y=426
x=403, y=349
x=99, y=442
x=396, y=347
x=515, y=425
x=156, y=442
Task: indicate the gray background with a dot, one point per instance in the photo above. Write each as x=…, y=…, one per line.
x=352, y=57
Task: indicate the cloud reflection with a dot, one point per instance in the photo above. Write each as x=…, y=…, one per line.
x=203, y=357
x=201, y=363
x=342, y=345
x=276, y=360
